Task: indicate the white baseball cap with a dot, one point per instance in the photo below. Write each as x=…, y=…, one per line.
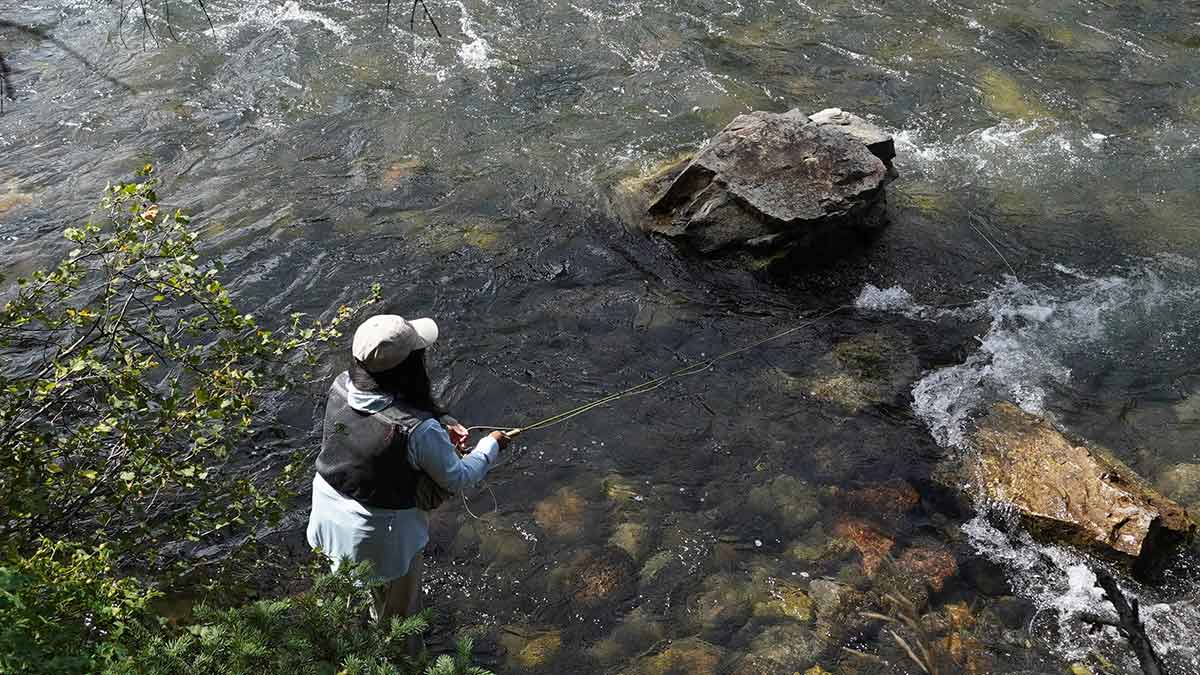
x=383, y=341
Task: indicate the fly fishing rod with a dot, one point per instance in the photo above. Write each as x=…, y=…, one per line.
x=654, y=383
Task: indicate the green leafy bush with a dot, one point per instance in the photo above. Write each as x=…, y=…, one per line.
x=130, y=384
x=133, y=378
x=64, y=610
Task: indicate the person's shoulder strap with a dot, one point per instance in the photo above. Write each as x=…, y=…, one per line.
x=401, y=417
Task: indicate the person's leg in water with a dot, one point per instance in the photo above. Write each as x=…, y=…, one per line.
x=401, y=598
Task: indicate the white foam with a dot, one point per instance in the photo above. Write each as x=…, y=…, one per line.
x=474, y=54
x=1023, y=151
x=1037, y=335
x=894, y=298
x=897, y=300
x=475, y=51
x=268, y=15
x=1061, y=584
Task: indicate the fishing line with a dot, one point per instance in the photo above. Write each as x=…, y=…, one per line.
x=989, y=242
x=655, y=383
x=643, y=388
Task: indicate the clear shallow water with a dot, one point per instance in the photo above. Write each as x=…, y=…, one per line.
x=323, y=151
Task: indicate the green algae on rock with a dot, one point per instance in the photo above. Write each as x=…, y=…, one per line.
x=1003, y=95
x=864, y=370
x=637, y=632
x=791, y=646
x=528, y=648
x=783, y=600
x=689, y=656
x=632, y=537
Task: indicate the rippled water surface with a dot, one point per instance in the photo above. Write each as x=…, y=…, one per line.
x=1044, y=250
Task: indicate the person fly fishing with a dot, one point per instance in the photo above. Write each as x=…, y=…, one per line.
x=389, y=455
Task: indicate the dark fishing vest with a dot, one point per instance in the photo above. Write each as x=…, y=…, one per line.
x=364, y=456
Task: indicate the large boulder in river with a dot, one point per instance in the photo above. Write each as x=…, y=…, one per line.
x=1073, y=491
x=772, y=182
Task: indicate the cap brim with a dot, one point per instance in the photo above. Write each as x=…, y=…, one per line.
x=427, y=331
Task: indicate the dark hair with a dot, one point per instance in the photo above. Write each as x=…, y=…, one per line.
x=409, y=381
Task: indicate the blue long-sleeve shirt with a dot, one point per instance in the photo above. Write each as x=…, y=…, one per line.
x=389, y=538
x=430, y=450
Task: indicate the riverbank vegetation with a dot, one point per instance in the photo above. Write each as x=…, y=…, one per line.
x=135, y=431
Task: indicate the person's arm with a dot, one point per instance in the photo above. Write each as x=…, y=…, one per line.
x=430, y=450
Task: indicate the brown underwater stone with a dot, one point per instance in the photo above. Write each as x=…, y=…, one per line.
x=873, y=545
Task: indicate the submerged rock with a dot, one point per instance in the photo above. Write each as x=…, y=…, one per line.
x=529, y=648
x=494, y=539
x=621, y=490
x=889, y=500
x=774, y=181
x=656, y=564
x=838, y=608
x=968, y=653
x=750, y=664
x=1002, y=95
x=596, y=577
x=1077, y=493
x=723, y=599
x=873, y=545
x=637, y=632
x=813, y=545
x=932, y=565
x=12, y=197
x=1182, y=482
x=914, y=575
x=784, y=601
x=791, y=501
x=790, y=645
x=561, y=514
x=690, y=656
x=633, y=538
x=865, y=370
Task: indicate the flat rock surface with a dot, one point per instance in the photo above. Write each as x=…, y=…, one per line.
x=1069, y=491
x=878, y=141
x=767, y=179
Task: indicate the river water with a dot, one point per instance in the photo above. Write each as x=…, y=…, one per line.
x=1044, y=249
